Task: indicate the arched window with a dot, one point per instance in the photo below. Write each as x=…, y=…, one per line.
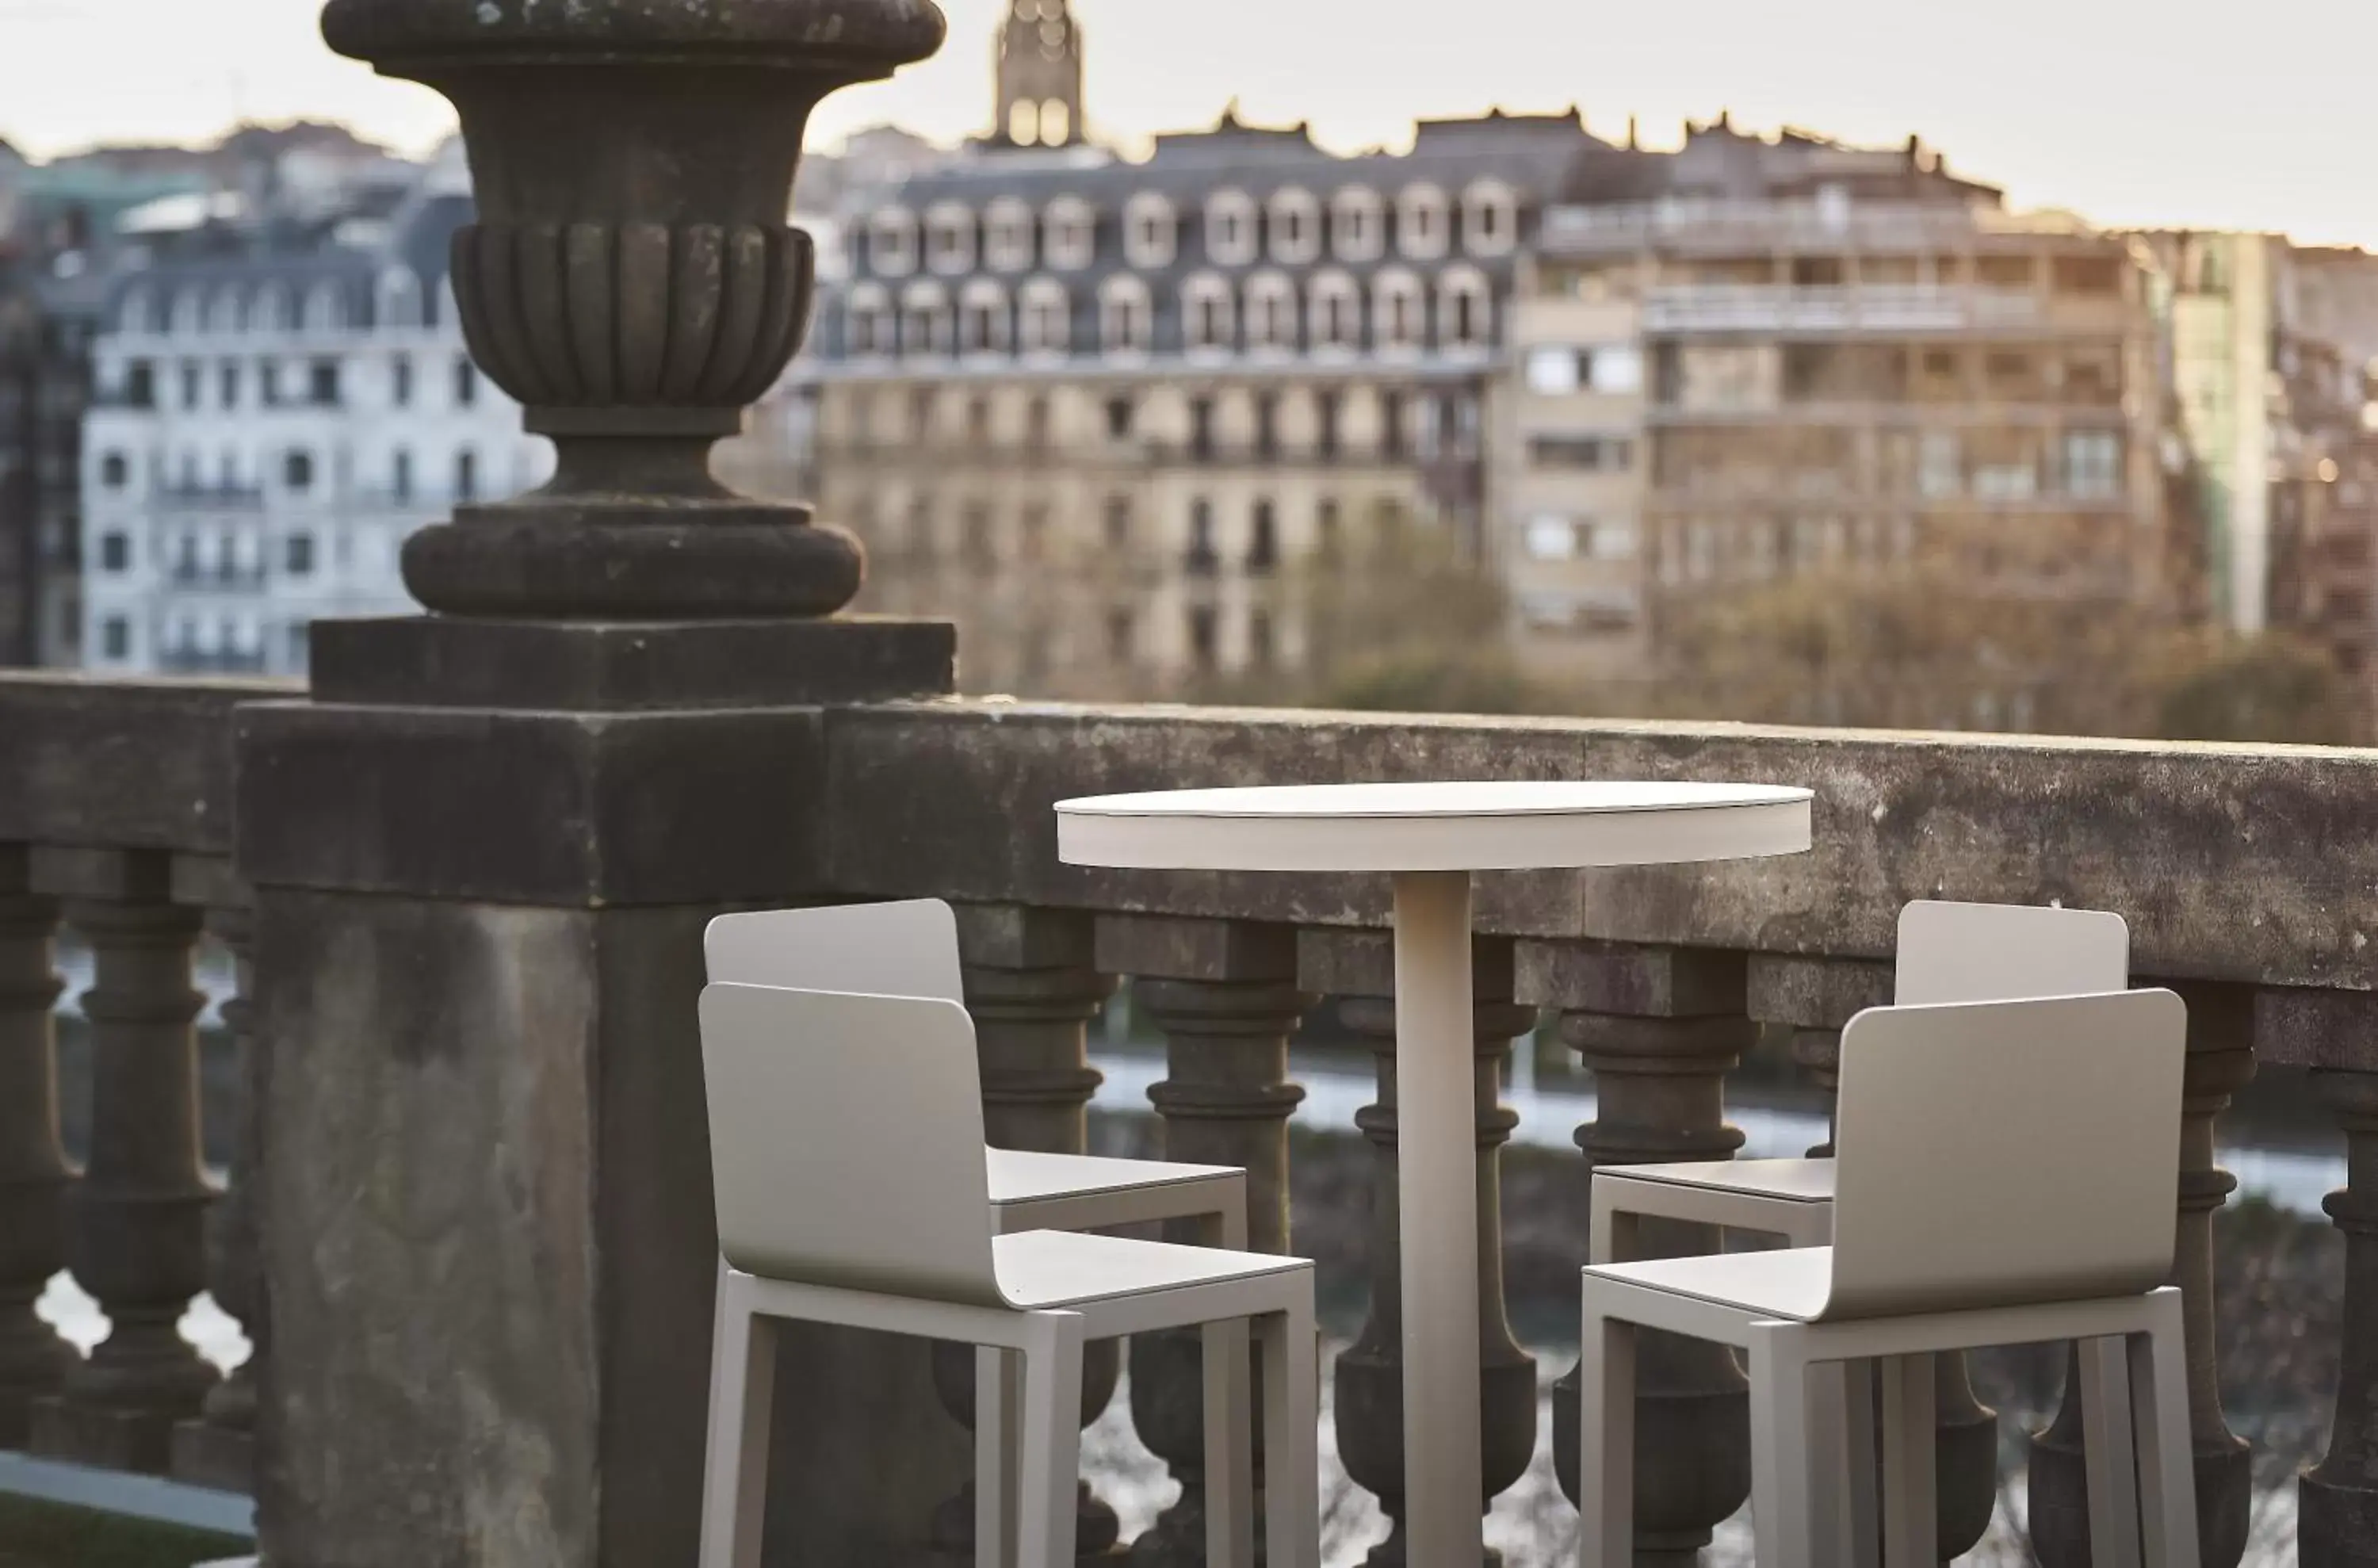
x=1335, y=319
x=1151, y=230
x=925, y=325
x=1358, y=224
x=1490, y=218
x=1465, y=309
x=1398, y=309
x=400, y=298
x=1007, y=227
x=1056, y=122
x=949, y=237
x=1423, y=227
x=466, y=475
x=223, y=310
x=1230, y=228
x=1127, y=319
x=1207, y=319
x=272, y=313
x=1045, y=316
x=1271, y=311
x=867, y=322
x=983, y=317
x=325, y=310
x=892, y=242
x=297, y=470
x=1295, y=227
x=190, y=312
x=1070, y=233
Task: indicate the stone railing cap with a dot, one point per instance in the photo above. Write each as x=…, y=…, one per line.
x=876, y=34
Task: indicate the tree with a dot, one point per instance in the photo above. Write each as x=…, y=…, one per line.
x=2272, y=688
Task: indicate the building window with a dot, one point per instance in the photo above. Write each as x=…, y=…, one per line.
x=115, y=471
x=892, y=243
x=297, y=471
x=1205, y=315
x=399, y=475
x=2093, y=464
x=1202, y=559
x=115, y=638
x=1296, y=227
x=1201, y=428
x=1230, y=228
x=1260, y=651
x=1326, y=541
x=1557, y=371
x=1337, y=312
x=1118, y=522
x=400, y=381
x=982, y=318
x=1589, y=453
x=1120, y=635
x=1271, y=312
x=267, y=384
x=949, y=238
x=193, y=383
x=322, y=383
x=926, y=328
x=1037, y=423
x=140, y=384
x=978, y=420
x=1267, y=426
x=1007, y=236
x=1120, y=418
x=1127, y=322
x=1490, y=218
x=1359, y=224
x=1150, y=231
x=1262, y=540
x=466, y=383
x=1397, y=311
x=116, y=552
x=1421, y=223
x=297, y=555
x=1329, y=408
x=1201, y=638
x=1392, y=420
x=1465, y=311
x=1047, y=317
x=870, y=320
x=1550, y=538
x=466, y=475
x=1071, y=234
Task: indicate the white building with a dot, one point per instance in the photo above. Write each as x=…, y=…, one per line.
x=275, y=413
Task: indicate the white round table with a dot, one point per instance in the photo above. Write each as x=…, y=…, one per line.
x=1431, y=837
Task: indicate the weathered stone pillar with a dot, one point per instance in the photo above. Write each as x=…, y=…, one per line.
x=1225, y=995
x=33, y=1360
x=1032, y=990
x=136, y=1233
x=2338, y=1524
x=1660, y=1026
x=1817, y=998
x=2220, y=1062
x=1370, y=1373
x=218, y=1448
x=484, y=851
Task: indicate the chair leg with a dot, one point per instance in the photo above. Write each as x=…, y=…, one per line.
x=1911, y=1509
x=1605, y=1464
x=1050, y=1462
x=2110, y=1458
x=1230, y=1447
x=1291, y=1414
x=1861, y=1495
x=1781, y=1475
x=2159, y=1418
x=995, y=1449
x=742, y=1401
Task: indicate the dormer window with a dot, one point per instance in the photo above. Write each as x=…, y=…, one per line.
x=1007, y=236
x=1398, y=309
x=1490, y=218
x=1296, y=227
x=1207, y=319
x=1271, y=312
x=892, y=242
x=949, y=237
x=1126, y=319
x=1151, y=231
x=1422, y=224
x=1071, y=234
x=1045, y=319
x=982, y=318
x=1230, y=228
x=925, y=320
x=1335, y=317
x=868, y=322
x=1359, y=224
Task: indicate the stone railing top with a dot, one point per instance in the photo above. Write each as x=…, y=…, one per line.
x=2251, y=863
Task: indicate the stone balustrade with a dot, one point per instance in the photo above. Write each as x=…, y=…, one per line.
x=2244, y=874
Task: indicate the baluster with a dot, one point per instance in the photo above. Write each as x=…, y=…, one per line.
x=2338, y=1524
x=137, y=1220
x=217, y=1449
x=33, y=1360
x=1818, y=997
x=2220, y=1062
x=1370, y=1373
x=1660, y=1026
x=1225, y=995
x=1031, y=988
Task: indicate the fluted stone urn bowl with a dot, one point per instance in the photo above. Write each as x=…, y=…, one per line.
x=633, y=281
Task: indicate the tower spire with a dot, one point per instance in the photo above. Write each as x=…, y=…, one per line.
x=1039, y=76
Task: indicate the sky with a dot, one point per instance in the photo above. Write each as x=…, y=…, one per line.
x=2133, y=113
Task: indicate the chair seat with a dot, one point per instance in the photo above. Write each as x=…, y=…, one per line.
x=1786, y=1181
x=1792, y=1282
x=1042, y=1269
x=1019, y=1176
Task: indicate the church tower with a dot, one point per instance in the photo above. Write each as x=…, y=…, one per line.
x=1040, y=77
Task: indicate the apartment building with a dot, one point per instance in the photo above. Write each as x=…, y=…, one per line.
x=1754, y=357
x=1102, y=412
x=279, y=405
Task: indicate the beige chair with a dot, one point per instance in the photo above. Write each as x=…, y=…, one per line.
x=910, y=948
x=845, y=1148
x=2005, y=1175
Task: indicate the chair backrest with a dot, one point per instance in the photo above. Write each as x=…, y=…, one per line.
x=1998, y=952
x=903, y=950
x=845, y=1140
x=1996, y=1153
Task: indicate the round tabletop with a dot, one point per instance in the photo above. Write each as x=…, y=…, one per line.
x=1504, y=826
